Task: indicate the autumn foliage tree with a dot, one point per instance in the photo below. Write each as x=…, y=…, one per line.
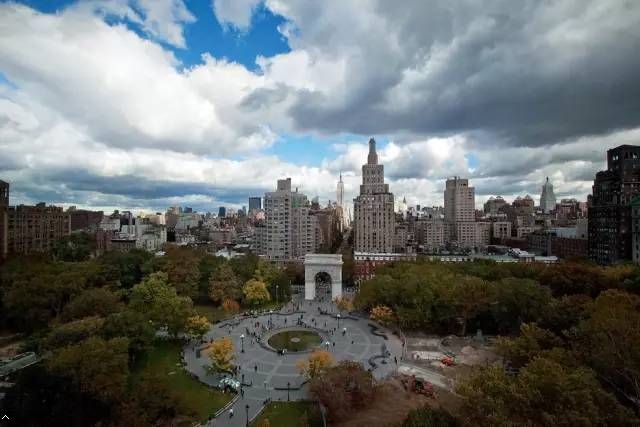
x=197, y=326
x=343, y=388
x=344, y=303
x=230, y=306
x=381, y=314
x=255, y=292
x=224, y=284
x=221, y=354
x=317, y=364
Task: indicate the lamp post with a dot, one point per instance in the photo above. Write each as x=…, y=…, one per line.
x=270, y=313
x=288, y=388
x=277, y=294
x=242, y=343
x=338, y=316
x=247, y=412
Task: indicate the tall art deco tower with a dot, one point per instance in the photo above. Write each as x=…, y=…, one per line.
x=373, y=209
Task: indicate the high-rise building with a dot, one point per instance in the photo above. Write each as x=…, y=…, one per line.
x=36, y=228
x=373, y=209
x=4, y=218
x=289, y=230
x=547, y=197
x=610, y=226
x=255, y=204
x=493, y=205
x=222, y=212
x=459, y=201
x=340, y=204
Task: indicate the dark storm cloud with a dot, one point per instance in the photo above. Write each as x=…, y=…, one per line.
x=530, y=73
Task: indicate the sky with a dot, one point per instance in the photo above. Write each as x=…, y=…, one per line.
x=145, y=104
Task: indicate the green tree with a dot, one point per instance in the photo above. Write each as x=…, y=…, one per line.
x=471, y=296
x=74, y=247
x=96, y=366
x=160, y=303
x=197, y=326
x=531, y=342
x=133, y=325
x=92, y=302
x=609, y=340
x=255, y=292
x=517, y=301
x=125, y=269
x=182, y=266
x=544, y=393
x=73, y=332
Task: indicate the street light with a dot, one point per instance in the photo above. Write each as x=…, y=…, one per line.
x=277, y=294
x=338, y=320
x=242, y=343
x=288, y=387
x=247, y=412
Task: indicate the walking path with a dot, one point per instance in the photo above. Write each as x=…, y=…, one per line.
x=267, y=374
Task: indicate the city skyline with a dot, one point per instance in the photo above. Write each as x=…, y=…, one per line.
x=204, y=104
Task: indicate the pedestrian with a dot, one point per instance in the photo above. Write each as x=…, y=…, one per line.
x=395, y=358
x=231, y=413
x=255, y=368
x=351, y=342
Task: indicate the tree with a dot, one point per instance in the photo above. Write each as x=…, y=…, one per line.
x=255, y=292
x=344, y=303
x=381, y=314
x=73, y=332
x=74, y=247
x=230, y=306
x=182, y=266
x=153, y=402
x=532, y=342
x=344, y=388
x=159, y=302
x=133, y=325
x=430, y=417
x=125, y=269
x=221, y=354
x=471, y=296
x=517, y=301
x=96, y=366
x=197, y=326
x=92, y=302
x=609, y=339
x=209, y=264
x=544, y=393
x=224, y=285
x=317, y=364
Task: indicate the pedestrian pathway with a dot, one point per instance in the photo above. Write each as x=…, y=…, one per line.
x=267, y=374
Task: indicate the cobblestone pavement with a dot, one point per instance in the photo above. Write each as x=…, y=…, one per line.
x=266, y=374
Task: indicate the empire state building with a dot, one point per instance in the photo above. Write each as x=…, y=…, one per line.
x=373, y=209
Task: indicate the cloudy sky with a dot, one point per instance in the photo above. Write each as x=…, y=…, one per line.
x=142, y=104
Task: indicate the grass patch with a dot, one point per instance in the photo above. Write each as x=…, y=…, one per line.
x=211, y=312
x=289, y=414
x=295, y=340
x=164, y=361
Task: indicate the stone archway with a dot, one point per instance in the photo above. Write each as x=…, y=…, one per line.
x=330, y=264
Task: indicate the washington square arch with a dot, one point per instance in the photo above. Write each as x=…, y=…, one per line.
x=322, y=269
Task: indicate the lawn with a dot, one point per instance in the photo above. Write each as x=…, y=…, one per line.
x=295, y=340
x=164, y=360
x=211, y=312
x=288, y=414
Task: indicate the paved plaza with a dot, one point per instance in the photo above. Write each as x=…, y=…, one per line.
x=267, y=374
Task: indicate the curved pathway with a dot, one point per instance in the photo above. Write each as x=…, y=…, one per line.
x=266, y=374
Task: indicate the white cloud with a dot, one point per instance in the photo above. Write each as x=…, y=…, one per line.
x=236, y=13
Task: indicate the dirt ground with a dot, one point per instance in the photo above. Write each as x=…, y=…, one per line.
x=9, y=350
x=392, y=405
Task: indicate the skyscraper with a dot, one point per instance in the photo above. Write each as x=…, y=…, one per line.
x=289, y=231
x=547, y=198
x=340, y=192
x=4, y=218
x=222, y=212
x=610, y=231
x=373, y=209
x=340, y=203
x=255, y=204
x=460, y=214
